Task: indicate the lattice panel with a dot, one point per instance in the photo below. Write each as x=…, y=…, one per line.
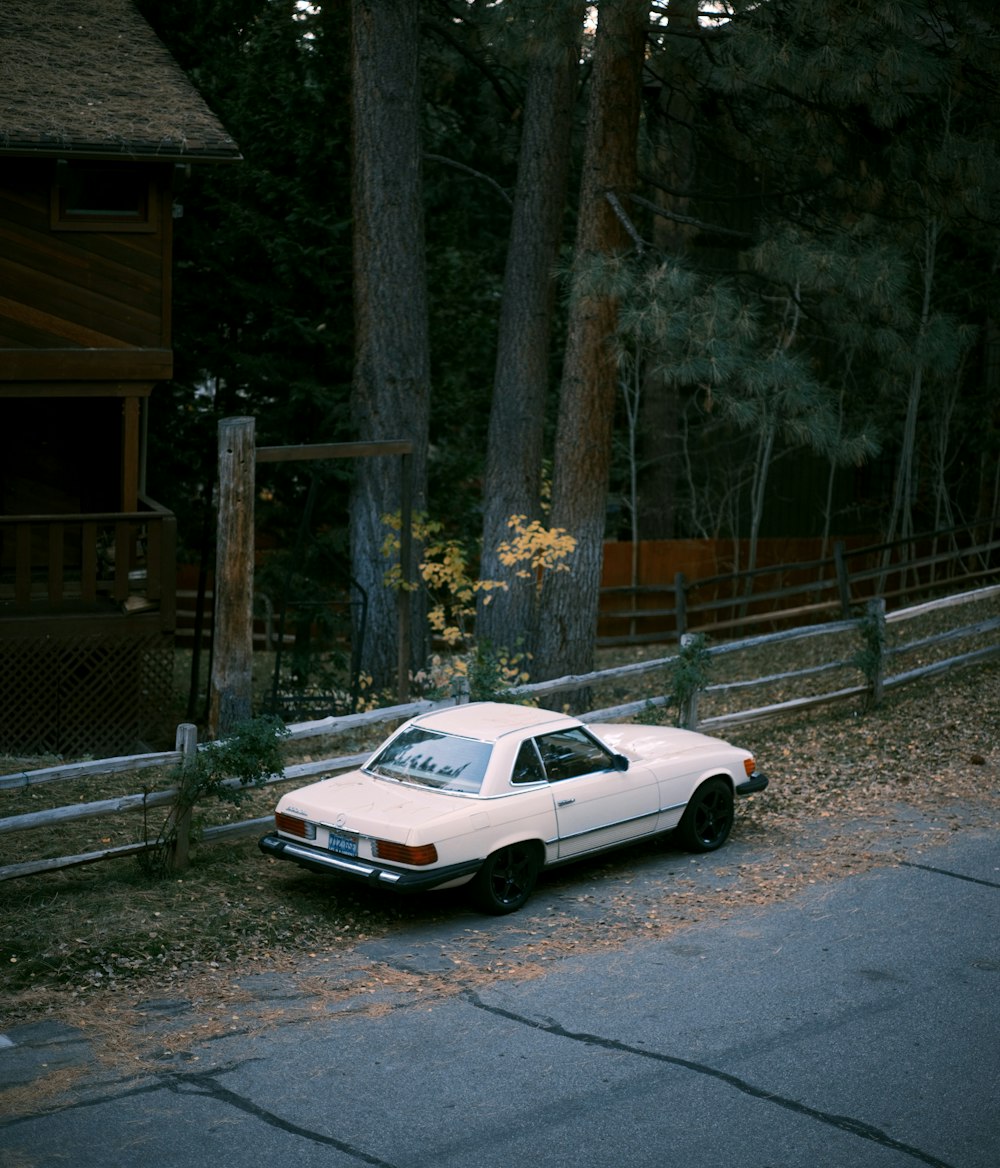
x=89, y=695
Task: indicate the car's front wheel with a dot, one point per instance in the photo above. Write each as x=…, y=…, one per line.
x=506, y=879
x=708, y=817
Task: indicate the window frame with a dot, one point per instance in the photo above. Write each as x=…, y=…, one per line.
x=577, y=731
x=63, y=218
x=532, y=745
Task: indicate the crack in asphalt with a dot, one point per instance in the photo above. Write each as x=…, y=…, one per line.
x=844, y=1123
x=207, y=1085
x=953, y=875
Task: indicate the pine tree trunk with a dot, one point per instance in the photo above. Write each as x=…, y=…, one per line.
x=587, y=397
x=675, y=161
x=512, y=485
x=391, y=389
x=901, y=515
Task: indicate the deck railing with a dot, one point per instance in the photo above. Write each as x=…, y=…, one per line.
x=73, y=563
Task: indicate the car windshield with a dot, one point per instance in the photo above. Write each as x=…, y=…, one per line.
x=443, y=761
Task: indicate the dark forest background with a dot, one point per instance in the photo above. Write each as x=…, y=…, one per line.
x=794, y=281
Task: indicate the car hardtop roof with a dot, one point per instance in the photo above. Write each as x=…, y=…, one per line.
x=490, y=721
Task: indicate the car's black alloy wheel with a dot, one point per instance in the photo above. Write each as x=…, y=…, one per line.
x=708, y=818
x=507, y=878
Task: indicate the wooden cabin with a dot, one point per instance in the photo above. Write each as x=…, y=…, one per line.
x=96, y=120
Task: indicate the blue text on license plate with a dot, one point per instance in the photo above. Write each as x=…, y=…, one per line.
x=342, y=845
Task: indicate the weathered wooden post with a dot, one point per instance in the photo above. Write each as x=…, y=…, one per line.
x=231, y=687
x=688, y=705
x=680, y=603
x=843, y=578
x=875, y=616
x=187, y=743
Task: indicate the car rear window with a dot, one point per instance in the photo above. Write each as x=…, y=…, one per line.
x=443, y=761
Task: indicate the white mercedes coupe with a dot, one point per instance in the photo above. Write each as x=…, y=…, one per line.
x=487, y=794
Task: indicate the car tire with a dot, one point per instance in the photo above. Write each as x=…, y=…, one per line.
x=708, y=817
x=507, y=878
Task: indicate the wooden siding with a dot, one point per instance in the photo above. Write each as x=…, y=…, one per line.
x=74, y=291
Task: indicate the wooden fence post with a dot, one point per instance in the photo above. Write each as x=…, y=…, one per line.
x=688, y=711
x=875, y=615
x=187, y=744
x=680, y=603
x=231, y=688
x=843, y=579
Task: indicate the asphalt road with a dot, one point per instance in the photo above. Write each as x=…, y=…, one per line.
x=856, y=1025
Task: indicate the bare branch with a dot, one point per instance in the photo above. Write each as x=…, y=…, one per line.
x=475, y=173
x=711, y=228
x=627, y=223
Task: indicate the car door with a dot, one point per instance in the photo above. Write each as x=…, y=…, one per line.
x=596, y=802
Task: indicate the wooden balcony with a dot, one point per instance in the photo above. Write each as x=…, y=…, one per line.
x=87, y=615
x=54, y=568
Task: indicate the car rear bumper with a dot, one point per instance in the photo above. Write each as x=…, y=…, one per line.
x=367, y=871
x=756, y=782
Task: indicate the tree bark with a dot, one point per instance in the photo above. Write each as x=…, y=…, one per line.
x=391, y=388
x=568, y=622
x=675, y=157
x=512, y=485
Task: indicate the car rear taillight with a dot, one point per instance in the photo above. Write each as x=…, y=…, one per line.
x=292, y=825
x=750, y=765
x=404, y=853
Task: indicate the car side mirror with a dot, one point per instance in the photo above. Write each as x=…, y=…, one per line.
x=620, y=762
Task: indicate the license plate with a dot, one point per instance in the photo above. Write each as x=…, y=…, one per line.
x=342, y=845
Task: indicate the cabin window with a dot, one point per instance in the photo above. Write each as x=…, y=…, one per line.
x=108, y=196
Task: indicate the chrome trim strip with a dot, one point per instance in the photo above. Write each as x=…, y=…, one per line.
x=413, y=786
x=613, y=823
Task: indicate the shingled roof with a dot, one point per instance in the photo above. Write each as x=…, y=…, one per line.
x=90, y=77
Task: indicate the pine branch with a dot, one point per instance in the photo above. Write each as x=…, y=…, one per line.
x=709, y=228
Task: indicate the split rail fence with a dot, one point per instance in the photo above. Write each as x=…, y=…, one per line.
x=870, y=687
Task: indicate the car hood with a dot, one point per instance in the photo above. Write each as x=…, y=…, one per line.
x=652, y=743
x=358, y=802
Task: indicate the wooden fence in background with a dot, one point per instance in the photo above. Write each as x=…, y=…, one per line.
x=660, y=590
x=983, y=628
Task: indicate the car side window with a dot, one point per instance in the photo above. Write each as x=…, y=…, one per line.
x=570, y=753
x=528, y=766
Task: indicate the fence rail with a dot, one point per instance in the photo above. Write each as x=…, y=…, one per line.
x=334, y=726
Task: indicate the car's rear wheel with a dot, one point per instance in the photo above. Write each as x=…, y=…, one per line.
x=708, y=817
x=507, y=878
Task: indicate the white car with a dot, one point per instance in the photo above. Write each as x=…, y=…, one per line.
x=488, y=794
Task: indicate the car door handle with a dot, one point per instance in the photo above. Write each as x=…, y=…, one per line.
x=564, y=802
